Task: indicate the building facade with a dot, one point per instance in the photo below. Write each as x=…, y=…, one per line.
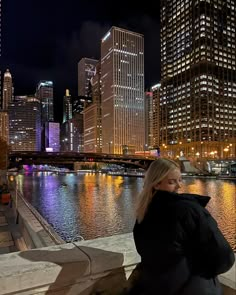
x=156, y=115
x=80, y=103
x=148, y=120
x=198, y=77
x=92, y=129
x=93, y=115
x=67, y=106
x=86, y=70
x=7, y=94
x=72, y=134
x=4, y=126
x=52, y=137
x=44, y=93
x=122, y=91
x=25, y=124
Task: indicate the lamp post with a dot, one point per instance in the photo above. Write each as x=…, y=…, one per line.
x=226, y=151
x=230, y=150
x=145, y=148
x=201, y=149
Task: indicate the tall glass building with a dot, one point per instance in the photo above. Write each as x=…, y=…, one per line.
x=86, y=70
x=44, y=93
x=122, y=91
x=52, y=137
x=198, y=77
x=67, y=106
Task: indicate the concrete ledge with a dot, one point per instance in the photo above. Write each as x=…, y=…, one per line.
x=42, y=268
x=32, y=230
x=123, y=244
x=99, y=266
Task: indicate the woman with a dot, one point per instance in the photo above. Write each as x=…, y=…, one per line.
x=182, y=250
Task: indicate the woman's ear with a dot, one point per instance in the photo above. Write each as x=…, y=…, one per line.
x=156, y=187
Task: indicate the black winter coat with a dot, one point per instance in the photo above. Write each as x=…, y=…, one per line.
x=181, y=247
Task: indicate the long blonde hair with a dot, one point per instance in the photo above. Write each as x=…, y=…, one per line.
x=156, y=172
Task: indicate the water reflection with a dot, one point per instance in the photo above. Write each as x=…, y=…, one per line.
x=94, y=205
x=222, y=204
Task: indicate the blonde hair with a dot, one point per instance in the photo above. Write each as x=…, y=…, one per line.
x=156, y=172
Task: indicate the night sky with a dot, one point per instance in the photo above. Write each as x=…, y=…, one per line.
x=45, y=39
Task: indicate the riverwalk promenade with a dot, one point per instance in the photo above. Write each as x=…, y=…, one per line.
x=11, y=239
x=31, y=262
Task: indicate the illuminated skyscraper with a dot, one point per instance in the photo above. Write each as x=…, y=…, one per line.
x=4, y=126
x=92, y=117
x=24, y=124
x=122, y=91
x=44, y=93
x=156, y=115
x=198, y=76
x=86, y=70
x=148, y=120
x=7, y=90
x=67, y=106
x=52, y=137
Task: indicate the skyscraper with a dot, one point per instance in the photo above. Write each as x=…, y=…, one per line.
x=148, y=120
x=7, y=90
x=122, y=91
x=4, y=126
x=156, y=115
x=198, y=76
x=24, y=124
x=92, y=117
x=86, y=70
x=52, y=137
x=44, y=93
x=67, y=106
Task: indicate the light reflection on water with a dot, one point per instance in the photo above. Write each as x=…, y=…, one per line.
x=94, y=205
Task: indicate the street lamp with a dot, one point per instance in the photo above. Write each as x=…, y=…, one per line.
x=145, y=148
x=201, y=149
x=231, y=150
x=226, y=151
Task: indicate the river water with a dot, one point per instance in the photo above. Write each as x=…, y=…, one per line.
x=99, y=205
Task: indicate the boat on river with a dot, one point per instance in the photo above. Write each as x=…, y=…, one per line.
x=126, y=173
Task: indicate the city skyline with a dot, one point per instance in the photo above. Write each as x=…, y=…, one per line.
x=51, y=41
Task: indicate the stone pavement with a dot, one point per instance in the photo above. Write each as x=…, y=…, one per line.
x=10, y=237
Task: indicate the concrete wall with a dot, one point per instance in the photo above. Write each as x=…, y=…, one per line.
x=99, y=266
x=35, y=230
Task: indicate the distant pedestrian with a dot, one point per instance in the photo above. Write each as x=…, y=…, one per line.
x=181, y=247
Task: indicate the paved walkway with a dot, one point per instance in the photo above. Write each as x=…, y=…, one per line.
x=10, y=237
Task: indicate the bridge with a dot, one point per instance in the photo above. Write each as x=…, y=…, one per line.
x=19, y=158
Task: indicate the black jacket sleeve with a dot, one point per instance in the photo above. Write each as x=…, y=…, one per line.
x=207, y=250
